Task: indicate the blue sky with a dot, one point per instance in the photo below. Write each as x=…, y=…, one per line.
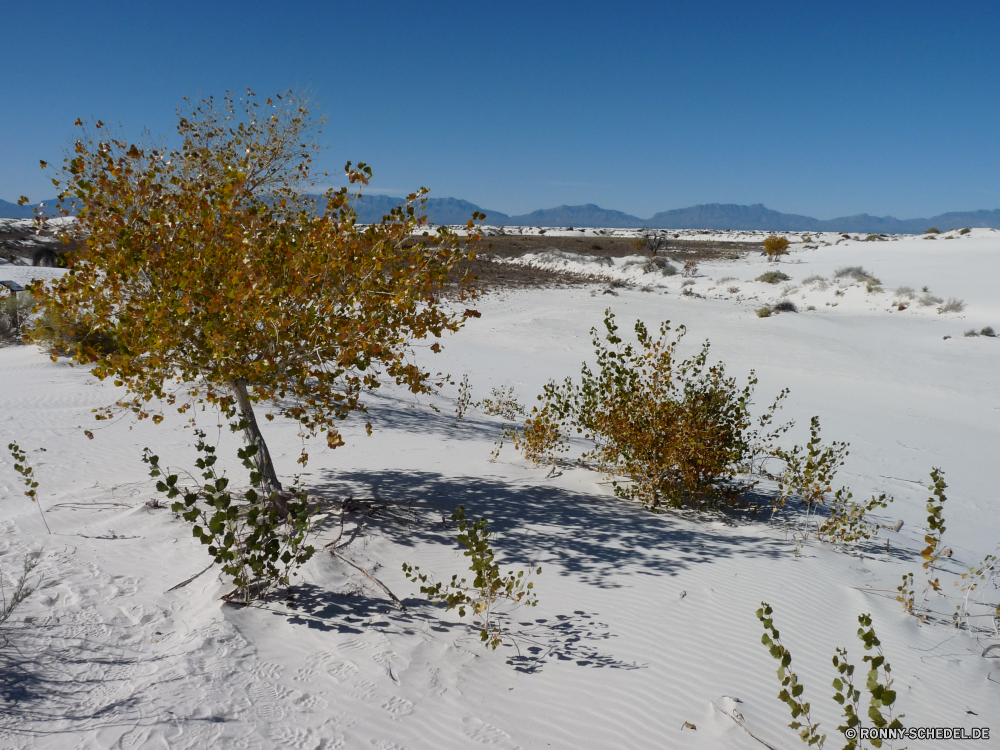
x=819, y=108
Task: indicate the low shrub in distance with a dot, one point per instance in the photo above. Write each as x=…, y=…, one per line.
x=775, y=246
x=773, y=277
x=786, y=305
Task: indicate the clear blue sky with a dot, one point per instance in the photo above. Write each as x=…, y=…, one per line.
x=818, y=108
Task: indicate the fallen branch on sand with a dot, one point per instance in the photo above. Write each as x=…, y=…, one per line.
x=395, y=600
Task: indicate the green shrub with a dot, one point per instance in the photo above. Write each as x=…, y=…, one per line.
x=877, y=680
x=488, y=588
x=668, y=432
x=855, y=272
x=764, y=312
x=773, y=277
x=964, y=231
x=258, y=538
x=932, y=230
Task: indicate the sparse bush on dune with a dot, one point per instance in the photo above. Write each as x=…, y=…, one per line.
x=987, y=331
x=764, y=312
x=775, y=246
x=773, y=277
x=953, y=305
x=904, y=291
x=932, y=230
x=854, y=272
x=669, y=433
x=971, y=332
x=785, y=305
x=964, y=231
x=814, y=279
x=927, y=300
x=15, y=310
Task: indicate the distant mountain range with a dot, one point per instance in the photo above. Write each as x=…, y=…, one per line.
x=371, y=208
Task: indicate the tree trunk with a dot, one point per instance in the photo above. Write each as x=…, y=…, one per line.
x=268, y=477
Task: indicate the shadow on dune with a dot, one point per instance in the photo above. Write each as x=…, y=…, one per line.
x=597, y=539
x=46, y=677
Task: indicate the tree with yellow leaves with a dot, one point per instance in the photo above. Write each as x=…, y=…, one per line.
x=220, y=281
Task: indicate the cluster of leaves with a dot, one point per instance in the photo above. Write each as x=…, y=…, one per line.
x=203, y=275
x=27, y=472
x=775, y=246
x=678, y=432
x=878, y=682
x=808, y=476
x=489, y=589
x=936, y=528
x=258, y=537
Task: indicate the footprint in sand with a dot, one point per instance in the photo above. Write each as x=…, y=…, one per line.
x=265, y=670
x=480, y=731
x=304, y=675
x=343, y=669
x=364, y=690
x=398, y=707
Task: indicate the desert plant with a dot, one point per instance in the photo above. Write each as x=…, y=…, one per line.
x=906, y=592
x=935, y=528
x=964, y=231
x=932, y=230
x=27, y=472
x=904, y=291
x=764, y=312
x=733, y=289
x=929, y=299
x=21, y=588
x=687, y=283
x=809, y=472
x=952, y=305
x=676, y=432
x=223, y=284
x=464, y=397
x=814, y=279
x=855, y=272
x=690, y=268
x=652, y=241
x=502, y=404
x=785, y=305
x=878, y=682
x=971, y=332
x=969, y=582
x=775, y=246
x=489, y=588
x=773, y=277
x=15, y=310
x=987, y=331
x=257, y=537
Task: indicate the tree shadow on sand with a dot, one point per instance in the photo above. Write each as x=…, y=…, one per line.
x=597, y=539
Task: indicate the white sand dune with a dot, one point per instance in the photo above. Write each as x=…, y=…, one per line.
x=643, y=620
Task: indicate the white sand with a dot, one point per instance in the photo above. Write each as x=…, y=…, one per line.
x=643, y=620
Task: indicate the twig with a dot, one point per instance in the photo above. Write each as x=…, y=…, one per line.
x=742, y=726
x=395, y=600
x=187, y=581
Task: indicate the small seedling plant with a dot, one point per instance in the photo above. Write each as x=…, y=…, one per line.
x=878, y=683
x=809, y=475
x=490, y=589
x=259, y=538
x=27, y=472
